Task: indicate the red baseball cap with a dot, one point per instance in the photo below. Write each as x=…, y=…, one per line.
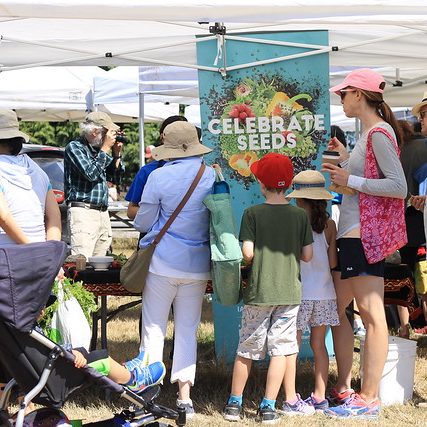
x=274, y=170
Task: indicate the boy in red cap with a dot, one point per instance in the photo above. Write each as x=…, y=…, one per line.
x=275, y=236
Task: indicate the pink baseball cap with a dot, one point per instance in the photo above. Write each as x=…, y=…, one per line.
x=363, y=78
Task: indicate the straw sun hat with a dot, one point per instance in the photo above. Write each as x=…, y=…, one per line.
x=309, y=185
x=416, y=109
x=180, y=139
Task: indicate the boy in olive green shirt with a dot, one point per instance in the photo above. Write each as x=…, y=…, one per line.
x=276, y=236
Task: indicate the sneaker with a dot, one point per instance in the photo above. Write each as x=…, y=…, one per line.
x=147, y=376
x=318, y=406
x=268, y=415
x=299, y=408
x=232, y=411
x=356, y=407
x=142, y=358
x=339, y=397
x=189, y=409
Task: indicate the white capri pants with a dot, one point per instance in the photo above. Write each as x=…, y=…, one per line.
x=186, y=295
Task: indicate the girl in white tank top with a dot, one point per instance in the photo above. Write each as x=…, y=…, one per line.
x=318, y=308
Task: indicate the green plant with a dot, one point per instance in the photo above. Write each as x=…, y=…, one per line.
x=85, y=298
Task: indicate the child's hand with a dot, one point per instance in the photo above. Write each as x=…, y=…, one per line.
x=79, y=361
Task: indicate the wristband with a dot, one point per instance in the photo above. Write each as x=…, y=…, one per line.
x=117, y=157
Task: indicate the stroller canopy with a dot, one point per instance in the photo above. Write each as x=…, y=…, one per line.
x=27, y=273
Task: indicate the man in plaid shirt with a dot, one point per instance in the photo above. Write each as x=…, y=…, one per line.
x=89, y=162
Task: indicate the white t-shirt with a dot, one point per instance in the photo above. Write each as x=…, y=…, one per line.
x=24, y=186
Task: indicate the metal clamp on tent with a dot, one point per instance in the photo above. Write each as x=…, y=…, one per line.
x=219, y=30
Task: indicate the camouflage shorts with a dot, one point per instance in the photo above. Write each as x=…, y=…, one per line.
x=268, y=330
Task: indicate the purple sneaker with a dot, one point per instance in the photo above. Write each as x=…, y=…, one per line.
x=318, y=406
x=297, y=409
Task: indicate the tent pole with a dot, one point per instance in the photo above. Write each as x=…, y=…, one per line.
x=141, y=129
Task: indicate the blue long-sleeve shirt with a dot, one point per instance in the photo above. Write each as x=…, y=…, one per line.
x=184, y=251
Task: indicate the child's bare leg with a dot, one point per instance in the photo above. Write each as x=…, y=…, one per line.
x=118, y=373
x=276, y=371
x=241, y=370
x=321, y=361
x=289, y=378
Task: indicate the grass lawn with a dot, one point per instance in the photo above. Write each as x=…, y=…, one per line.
x=213, y=382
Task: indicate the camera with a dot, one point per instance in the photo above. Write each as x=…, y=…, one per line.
x=121, y=137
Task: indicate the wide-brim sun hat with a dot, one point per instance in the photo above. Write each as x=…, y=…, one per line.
x=309, y=184
x=362, y=78
x=9, y=126
x=416, y=108
x=180, y=140
x=274, y=170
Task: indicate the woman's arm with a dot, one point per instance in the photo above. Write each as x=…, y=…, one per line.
x=9, y=225
x=331, y=236
x=52, y=217
x=393, y=182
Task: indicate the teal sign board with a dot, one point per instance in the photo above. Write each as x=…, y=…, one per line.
x=278, y=107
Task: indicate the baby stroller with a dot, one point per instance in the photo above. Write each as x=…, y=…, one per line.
x=43, y=370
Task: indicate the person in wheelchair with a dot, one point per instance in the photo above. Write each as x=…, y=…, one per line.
x=48, y=373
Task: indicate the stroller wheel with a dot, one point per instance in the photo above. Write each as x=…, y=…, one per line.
x=46, y=417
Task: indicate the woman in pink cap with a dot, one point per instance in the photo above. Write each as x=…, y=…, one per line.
x=371, y=226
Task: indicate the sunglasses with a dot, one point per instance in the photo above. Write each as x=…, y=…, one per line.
x=422, y=114
x=343, y=93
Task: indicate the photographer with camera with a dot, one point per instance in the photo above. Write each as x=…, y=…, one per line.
x=89, y=162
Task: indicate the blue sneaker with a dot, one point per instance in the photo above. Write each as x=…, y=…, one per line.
x=141, y=358
x=356, y=408
x=318, y=406
x=146, y=376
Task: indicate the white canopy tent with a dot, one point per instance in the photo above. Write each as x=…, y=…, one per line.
x=389, y=35
x=381, y=33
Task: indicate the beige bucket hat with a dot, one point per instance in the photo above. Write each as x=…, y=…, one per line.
x=416, y=109
x=309, y=185
x=180, y=140
x=9, y=126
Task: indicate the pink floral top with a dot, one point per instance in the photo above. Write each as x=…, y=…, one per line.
x=382, y=219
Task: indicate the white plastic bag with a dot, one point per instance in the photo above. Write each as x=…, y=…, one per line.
x=69, y=324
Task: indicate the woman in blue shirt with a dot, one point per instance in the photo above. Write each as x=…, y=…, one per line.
x=180, y=266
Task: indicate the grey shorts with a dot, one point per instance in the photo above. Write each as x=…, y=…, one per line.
x=268, y=330
x=317, y=313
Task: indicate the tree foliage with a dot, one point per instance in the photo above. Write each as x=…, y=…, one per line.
x=58, y=134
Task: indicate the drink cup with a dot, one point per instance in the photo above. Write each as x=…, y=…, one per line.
x=332, y=157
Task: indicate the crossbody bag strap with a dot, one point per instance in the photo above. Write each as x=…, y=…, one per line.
x=181, y=204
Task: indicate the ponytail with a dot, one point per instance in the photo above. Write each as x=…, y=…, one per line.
x=375, y=100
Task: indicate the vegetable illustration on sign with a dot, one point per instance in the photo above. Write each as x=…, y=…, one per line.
x=262, y=115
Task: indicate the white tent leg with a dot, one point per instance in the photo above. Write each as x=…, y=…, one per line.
x=141, y=130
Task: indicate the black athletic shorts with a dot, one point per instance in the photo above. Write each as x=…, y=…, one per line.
x=352, y=261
